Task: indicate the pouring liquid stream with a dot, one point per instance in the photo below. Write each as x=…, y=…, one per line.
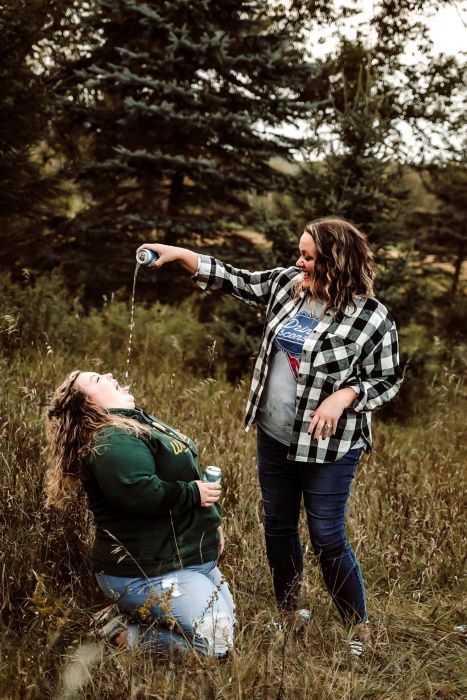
x=132, y=322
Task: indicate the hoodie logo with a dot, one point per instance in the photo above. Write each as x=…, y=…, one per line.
x=178, y=447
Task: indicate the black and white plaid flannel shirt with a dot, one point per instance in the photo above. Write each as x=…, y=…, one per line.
x=359, y=351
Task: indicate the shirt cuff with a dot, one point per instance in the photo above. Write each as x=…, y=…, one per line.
x=203, y=271
x=359, y=403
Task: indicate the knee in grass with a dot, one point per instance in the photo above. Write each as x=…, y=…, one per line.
x=216, y=631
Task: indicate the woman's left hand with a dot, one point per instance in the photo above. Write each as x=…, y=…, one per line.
x=325, y=418
x=221, y=539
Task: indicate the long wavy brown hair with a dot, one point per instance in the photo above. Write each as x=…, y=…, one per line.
x=72, y=420
x=343, y=266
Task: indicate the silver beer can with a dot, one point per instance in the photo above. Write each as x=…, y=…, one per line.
x=146, y=257
x=213, y=474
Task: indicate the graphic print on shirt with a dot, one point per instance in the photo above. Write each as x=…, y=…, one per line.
x=292, y=334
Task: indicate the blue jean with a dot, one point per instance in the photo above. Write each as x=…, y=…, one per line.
x=325, y=489
x=187, y=609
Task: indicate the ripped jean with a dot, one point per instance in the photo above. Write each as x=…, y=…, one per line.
x=188, y=609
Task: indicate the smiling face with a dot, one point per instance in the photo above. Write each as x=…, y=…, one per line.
x=104, y=390
x=306, y=261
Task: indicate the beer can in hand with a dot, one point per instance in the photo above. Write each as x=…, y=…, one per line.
x=213, y=474
x=146, y=257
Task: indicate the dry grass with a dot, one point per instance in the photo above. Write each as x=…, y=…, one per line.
x=406, y=521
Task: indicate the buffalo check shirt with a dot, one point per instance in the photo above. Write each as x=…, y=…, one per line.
x=360, y=350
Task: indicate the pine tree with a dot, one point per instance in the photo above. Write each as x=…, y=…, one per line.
x=442, y=232
x=29, y=190
x=184, y=104
x=371, y=97
x=356, y=175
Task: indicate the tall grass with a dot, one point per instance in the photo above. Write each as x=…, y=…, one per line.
x=406, y=521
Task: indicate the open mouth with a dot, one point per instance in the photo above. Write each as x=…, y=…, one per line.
x=121, y=388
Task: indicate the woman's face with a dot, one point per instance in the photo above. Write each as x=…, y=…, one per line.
x=306, y=261
x=105, y=390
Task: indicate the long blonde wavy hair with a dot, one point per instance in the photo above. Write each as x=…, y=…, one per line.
x=72, y=420
x=343, y=266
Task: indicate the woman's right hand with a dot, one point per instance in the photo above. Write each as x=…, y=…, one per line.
x=209, y=493
x=171, y=253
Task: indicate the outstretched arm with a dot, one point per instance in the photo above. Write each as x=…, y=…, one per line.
x=250, y=287
x=171, y=253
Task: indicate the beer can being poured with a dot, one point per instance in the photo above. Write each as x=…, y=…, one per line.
x=146, y=257
x=213, y=474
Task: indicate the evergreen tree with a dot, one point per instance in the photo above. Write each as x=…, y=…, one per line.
x=370, y=97
x=29, y=189
x=352, y=170
x=184, y=104
x=442, y=231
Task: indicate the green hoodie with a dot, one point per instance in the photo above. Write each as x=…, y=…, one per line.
x=145, y=503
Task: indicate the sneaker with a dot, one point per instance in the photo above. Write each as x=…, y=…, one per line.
x=304, y=614
x=291, y=620
x=360, y=640
x=356, y=647
x=107, y=625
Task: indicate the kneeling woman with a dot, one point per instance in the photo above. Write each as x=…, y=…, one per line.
x=158, y=532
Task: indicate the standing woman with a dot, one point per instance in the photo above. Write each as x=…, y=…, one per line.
x=158, y=526
x=328, y=357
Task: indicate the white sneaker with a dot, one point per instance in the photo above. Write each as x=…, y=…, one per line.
x=107, y=625
x=294, y=619
x=304, y=614
x=356, y=647
x=360, y=640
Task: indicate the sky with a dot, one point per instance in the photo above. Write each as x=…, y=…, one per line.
x=448, y=30
x=448, y=27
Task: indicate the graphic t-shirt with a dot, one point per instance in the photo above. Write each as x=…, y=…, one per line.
x=276, y=412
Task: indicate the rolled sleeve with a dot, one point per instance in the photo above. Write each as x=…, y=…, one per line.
x=203, y=272
x=250, y=287
x=381, y=375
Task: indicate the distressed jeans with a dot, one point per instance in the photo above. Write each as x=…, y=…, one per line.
x=187, y=609
x=325, y=489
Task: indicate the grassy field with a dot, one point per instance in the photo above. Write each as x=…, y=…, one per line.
x=406, y=521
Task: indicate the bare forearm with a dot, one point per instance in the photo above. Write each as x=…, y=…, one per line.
x=188, y=260
x=345, y=396
x=171, y=253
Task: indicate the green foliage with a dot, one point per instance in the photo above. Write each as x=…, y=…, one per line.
x=42, y=317
x=426, y=358
x=31, y=195
x=178, y=108
x=442, y=230
x=236, y=330
x=366, y=93
x=37, y=314
x=402, y=287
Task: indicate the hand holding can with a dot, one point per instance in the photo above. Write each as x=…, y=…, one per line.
x=208, y=493
x=146, y=257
